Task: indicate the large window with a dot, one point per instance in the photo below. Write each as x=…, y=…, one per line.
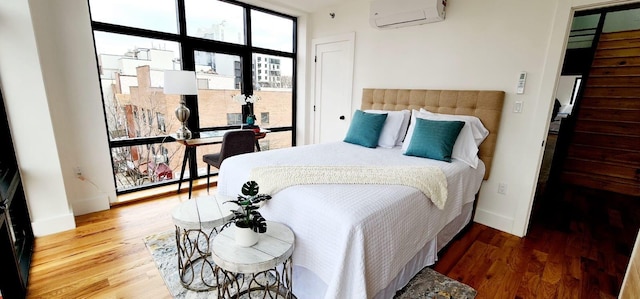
x=136, y=41
x=215, y=20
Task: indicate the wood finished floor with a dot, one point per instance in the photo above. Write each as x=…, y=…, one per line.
x=578, y=248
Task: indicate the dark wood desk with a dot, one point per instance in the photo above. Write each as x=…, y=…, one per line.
x=204, y=138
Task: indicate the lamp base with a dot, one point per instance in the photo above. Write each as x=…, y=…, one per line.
x=183, y=133
x=182, y=114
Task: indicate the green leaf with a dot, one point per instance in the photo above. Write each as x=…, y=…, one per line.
x=247, y=215
x=260, y=197
x=250, y=188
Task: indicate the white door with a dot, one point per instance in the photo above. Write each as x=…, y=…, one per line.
x=333, y=85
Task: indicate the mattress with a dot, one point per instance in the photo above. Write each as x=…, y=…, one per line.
x=354, y=240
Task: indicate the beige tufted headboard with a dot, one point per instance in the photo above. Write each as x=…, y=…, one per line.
x=484, y=104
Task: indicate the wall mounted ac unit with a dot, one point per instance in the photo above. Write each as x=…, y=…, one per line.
x=386, y=14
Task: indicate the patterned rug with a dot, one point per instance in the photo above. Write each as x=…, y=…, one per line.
x=426, y=284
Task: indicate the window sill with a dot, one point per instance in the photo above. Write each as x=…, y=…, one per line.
x=163, y=191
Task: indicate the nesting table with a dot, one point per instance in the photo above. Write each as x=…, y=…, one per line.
x=264, y=268
x=196, y=222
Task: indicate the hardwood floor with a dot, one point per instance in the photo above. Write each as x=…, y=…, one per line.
x=104, y=257
x=578, y=248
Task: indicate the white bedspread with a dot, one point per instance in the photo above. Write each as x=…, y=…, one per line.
x=355, y=238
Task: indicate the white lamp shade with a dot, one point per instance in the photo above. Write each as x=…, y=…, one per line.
x=180, y=82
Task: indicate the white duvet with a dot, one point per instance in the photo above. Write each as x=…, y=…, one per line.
x=355, y=238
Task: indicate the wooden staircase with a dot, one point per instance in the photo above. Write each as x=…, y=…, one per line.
x=604, y=150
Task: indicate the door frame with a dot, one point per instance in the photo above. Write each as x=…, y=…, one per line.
x=348, y=37
x=565, y=11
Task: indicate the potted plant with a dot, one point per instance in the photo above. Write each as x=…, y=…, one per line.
x=249, y=101
x=247, y=219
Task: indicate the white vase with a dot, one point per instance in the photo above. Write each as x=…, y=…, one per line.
x=245, y=237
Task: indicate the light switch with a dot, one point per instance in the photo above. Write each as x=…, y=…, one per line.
x=517, y=106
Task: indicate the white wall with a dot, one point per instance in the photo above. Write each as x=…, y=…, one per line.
x=69, y=67
x=49, y=77
x=30, y=120
x=480, y=45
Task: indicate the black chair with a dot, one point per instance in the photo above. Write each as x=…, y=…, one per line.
x=233, y=143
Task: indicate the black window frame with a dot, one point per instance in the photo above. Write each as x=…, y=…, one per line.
x=188, y=45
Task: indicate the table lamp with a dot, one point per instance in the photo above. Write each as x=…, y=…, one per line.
x=182, y=83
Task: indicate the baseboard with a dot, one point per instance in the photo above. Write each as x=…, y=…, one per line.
x=54, y=225
x=97, y=203
x=494, y=220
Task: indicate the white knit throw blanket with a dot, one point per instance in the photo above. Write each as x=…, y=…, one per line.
x=428, y=179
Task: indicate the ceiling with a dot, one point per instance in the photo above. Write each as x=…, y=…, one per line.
x=308, y=6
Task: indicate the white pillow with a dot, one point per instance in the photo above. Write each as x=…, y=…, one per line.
x=465, y=148
x=412, y=125
x=404, y=126
x=391, y=128
x=480, y=133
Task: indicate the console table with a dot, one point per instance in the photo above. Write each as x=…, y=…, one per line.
x=204, y=138
x=264, y=268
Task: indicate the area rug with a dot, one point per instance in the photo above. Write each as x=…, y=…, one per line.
x=426, y=284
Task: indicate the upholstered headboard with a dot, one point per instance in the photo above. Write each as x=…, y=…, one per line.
x=484, y=104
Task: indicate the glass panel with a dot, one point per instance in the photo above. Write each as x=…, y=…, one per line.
x=159, y=15
x=622, y=21
x=215, y=20
x=220, y=77
x=578, y=42
x=272, y=77
x=234, y=119
x=142, y=165
x=275, y=140
x=271, y=32
x=132, y=78
x=582, y=33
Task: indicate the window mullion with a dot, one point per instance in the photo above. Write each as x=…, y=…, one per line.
x=247, y=69
x=182, y=19
x=188, y=64
x=247, y=58
x=119, y=29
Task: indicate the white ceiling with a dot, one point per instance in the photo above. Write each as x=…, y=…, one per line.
x=307, y=5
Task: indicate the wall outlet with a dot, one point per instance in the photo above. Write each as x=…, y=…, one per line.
x=77, y=171
x=502, y=188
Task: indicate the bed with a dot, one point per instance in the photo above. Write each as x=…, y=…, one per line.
x=360, y=239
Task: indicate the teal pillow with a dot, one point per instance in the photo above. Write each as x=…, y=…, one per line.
x=434, y=139
x=365, y=128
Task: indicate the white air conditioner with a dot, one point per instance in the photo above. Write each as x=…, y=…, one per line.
x=386, y=14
